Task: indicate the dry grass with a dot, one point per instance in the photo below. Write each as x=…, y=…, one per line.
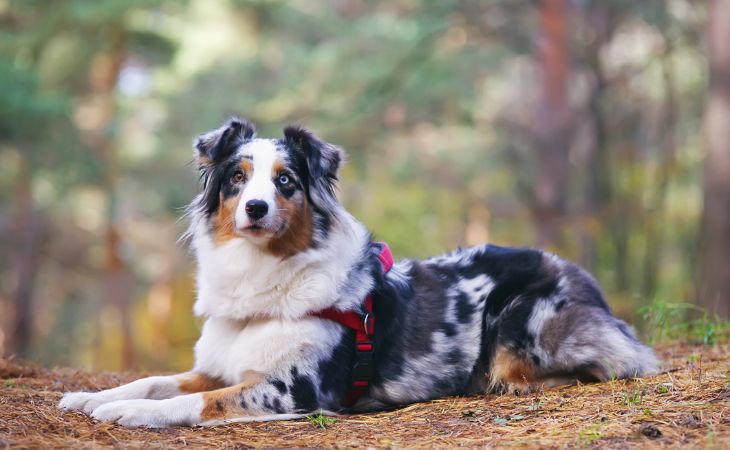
x=688, y=406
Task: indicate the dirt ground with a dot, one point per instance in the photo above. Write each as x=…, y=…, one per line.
x=687, y=406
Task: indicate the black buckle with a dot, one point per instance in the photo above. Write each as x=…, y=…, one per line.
x=363, y=368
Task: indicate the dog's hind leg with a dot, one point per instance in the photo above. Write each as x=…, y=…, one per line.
x=550, y=341
x=156, y=388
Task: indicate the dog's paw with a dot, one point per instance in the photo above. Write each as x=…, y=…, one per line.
x=82, y=401
x=141, y=413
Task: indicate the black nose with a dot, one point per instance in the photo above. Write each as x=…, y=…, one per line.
x=256, y=209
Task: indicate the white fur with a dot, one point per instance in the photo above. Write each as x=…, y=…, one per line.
x=261, y=185
x=239, y=280
x=228, y=349
x=180, y=410
x=158, y=387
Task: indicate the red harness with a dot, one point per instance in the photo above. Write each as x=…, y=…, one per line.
x=364, y=326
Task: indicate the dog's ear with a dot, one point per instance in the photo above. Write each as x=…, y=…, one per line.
x=214, y=146
x=323, y=158
x=323, y=162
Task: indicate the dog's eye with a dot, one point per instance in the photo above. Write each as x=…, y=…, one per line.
x=284, y=179
x=237, y=177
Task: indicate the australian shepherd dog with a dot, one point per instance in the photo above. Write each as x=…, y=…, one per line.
x=304, y=313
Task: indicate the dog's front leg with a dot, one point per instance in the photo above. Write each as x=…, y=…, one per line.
x=191, y=409
x=156, y=388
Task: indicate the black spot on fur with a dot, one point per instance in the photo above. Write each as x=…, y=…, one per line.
x=626, y=331
x=530, y=339
x=448, y=328
x=515, y=271
x=464, y=308
x=333, y=373
x=218, y=405
x=303, y=392
x=280, y=386
x=513, y=324
x=535, y=360
x=454, y=357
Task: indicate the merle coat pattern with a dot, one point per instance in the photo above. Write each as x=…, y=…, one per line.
x=274, y=246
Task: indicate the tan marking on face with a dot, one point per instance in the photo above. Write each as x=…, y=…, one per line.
x=197, y=382
x=226, y=402
x=298, y=235
x=247, y=167
x=277, y=168
x=224, y=226
x=509, y=368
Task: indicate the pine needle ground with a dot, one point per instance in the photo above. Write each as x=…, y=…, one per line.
x=687, y=406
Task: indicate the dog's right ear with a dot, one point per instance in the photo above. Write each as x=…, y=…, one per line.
x=214, y=146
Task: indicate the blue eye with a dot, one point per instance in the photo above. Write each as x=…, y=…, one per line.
x=283, y=179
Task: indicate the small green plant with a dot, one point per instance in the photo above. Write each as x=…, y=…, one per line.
x=590, y=434
x=321, y=421
x=683, y=321
x=512, y=418
x=12, y=384
x=633, y=398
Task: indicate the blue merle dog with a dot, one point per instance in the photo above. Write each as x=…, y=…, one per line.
x=275, y=248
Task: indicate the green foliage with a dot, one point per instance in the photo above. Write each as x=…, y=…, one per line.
x=684, y=321
x=321, y=421
x=633, y=398
x=590, y=434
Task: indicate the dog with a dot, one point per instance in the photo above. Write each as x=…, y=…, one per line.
x=306, y=312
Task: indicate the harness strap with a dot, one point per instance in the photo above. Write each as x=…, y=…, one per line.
x=364, y=326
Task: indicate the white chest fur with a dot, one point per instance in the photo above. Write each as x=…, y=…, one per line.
x=238, y=280
x=227, y=349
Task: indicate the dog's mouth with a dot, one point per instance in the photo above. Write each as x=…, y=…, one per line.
x=254, y=229
x=263, y=231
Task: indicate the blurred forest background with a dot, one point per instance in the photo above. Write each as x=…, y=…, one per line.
x=599, y=129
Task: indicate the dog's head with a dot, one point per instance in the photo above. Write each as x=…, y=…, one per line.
x=276, y=193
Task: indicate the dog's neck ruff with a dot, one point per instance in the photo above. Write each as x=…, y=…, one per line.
x=363, y=323
x=239, y=281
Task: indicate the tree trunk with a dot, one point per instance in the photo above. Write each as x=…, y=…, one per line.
x=25, y=228
x=714, y=285
x=103, y=78
x=552, y=124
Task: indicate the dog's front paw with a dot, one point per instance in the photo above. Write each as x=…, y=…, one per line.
x=82, y=401
x=141, y=413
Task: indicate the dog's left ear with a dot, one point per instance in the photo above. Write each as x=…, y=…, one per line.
x=323, y=161
x=323, y=158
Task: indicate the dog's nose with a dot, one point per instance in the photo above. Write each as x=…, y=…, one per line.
x=256, y=209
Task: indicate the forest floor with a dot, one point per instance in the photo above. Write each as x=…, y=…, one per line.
x=687, y=406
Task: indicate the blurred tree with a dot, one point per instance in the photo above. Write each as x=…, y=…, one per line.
x=552, y=126
x=714, y=269
x=59, y=99
x=566, y=123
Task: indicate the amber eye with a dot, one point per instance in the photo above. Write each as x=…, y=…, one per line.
x=237, y=177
